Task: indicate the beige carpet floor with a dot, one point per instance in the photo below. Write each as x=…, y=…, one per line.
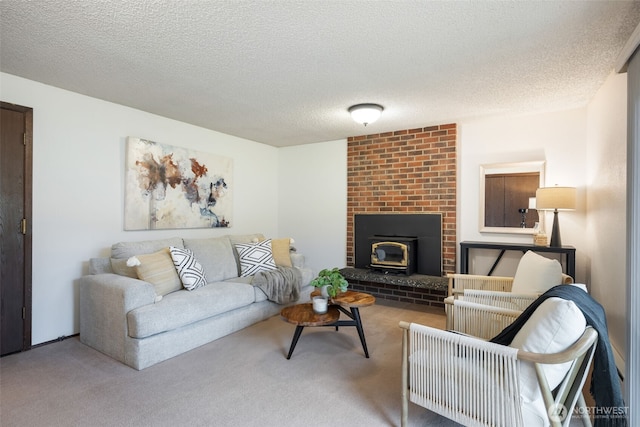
x=243, y=379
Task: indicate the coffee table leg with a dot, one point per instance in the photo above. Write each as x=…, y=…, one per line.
x=356, y=316
x=296, y=336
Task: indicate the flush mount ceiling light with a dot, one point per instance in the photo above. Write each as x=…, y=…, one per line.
x=365, y=113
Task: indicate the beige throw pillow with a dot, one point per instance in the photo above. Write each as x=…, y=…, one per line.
x=280, y=250
x=158, y=269
x=119, y=266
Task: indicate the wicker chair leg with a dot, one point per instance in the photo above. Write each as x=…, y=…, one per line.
x=584, y=414
x=405, y=378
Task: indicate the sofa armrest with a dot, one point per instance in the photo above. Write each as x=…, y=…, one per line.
x=297, y=260
x=100, y=266
x=105, y=300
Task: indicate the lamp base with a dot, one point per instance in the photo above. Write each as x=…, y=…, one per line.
x=556, y=241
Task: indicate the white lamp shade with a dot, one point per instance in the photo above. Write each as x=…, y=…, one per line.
x=365, y=113
x=561, y=198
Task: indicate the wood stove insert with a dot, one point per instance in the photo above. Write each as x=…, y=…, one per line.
x=393, y=254
x=426, y=227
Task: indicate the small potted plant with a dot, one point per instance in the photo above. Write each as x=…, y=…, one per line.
x=331, y=282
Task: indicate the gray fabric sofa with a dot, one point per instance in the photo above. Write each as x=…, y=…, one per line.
x=123, y=317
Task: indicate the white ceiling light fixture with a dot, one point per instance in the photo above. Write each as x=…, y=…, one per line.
x=365, y=113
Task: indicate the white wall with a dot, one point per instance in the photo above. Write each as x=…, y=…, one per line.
x=585, y=148
x=78, y=188
x=301, y=191
x=606, y=231
x=313, y=201
x=558, y=138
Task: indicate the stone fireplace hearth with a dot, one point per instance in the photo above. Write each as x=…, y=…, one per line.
x=414, y=289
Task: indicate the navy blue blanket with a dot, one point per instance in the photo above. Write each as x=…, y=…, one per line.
x=605, y=385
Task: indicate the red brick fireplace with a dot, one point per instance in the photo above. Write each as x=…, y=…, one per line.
x=406, y=171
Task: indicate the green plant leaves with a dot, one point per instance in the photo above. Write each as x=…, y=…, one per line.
x=333, y=278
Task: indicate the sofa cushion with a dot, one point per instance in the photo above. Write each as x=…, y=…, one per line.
x=216, y=256
x=281, y=252
x=158, y=269
x=255, y=257
x=246, y=238
x=536, y=274
x=124, y=250
x=186, y=307
x=258, y=293
x=189, y=269
x=554, y=326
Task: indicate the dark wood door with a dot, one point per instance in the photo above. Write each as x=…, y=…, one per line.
x=15, y=227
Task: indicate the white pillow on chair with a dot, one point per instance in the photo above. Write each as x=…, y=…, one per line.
x=553, y=327
x=536, y=274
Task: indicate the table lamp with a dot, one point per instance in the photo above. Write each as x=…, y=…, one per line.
x=556, y=198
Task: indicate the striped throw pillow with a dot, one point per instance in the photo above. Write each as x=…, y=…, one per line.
x=255, y=257
x=189, y=269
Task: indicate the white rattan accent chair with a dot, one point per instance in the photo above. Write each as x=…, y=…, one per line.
x=480, y=321
x=478, y=383
x=535, y=275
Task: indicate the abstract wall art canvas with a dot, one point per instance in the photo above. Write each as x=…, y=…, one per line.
x=170, y=187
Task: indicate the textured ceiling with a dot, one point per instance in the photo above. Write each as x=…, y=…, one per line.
x=285, y=72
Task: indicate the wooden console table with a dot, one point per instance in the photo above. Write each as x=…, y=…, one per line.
x=568, y=251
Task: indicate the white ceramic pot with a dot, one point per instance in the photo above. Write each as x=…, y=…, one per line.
x=324, y=291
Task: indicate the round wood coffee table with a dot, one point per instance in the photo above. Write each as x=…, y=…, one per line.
x=303, y=315
x=348, y=302
x=352, y=301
